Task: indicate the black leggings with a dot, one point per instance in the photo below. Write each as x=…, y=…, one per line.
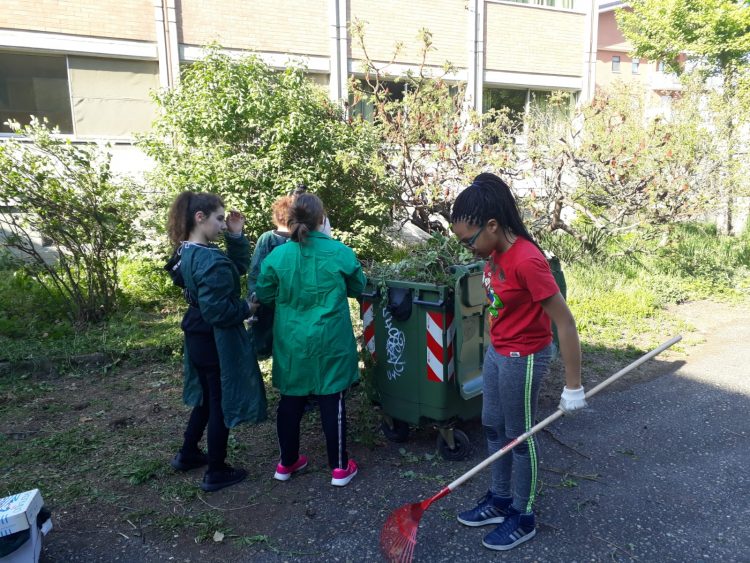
x=209, y=414
x=333, y=418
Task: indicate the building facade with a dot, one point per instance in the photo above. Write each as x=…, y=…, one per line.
x=614, y=63
x=90, y=67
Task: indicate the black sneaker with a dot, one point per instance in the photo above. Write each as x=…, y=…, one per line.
x=186, y=462
x=490, y=509
x=516, y=529
x=220, y=478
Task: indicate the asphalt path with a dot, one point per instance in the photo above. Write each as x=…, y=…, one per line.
x=671, y=458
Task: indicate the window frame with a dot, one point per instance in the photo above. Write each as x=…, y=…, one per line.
x=616, y=62
x=42, y=112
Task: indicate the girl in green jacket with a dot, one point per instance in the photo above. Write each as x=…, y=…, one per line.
x=222, y=379
x=308, y=281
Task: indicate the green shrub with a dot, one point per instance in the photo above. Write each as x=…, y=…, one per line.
x=33, y=324
x=67, y=194
x=143, y=281
x=237, y=127
x=9, y=262
x=710, y=264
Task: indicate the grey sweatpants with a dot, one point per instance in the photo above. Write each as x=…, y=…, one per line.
x=511, y=389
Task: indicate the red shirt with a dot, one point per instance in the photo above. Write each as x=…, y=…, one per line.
x=516, y=281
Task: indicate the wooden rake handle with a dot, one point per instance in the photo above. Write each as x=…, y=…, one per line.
x=559, y=412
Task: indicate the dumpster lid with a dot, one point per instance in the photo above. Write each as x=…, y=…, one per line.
x=470, y=311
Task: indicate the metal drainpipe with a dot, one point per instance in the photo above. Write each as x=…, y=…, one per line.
x=475, y=78
x=343, y=50
x=161, y=44
x=173, y=48
x=339, y=58
x=591, y=33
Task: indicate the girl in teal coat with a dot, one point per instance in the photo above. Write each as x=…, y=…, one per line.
x=222, y=379
x=308, y=281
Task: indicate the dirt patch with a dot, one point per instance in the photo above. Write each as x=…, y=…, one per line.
x=98, y=446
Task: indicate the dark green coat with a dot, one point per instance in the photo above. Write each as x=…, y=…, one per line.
x=213, y=279
x=314, y=351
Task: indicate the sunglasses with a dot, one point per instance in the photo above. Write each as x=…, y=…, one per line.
x=470, y=242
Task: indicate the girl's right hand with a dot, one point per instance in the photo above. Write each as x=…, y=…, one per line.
x=235, y=221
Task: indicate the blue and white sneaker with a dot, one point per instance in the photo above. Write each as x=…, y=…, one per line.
x=490, y=509
x=516, y=529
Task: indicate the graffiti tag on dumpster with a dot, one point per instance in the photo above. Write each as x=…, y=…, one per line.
x=395, y=344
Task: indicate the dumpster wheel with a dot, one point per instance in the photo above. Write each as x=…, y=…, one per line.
x=461, y=444
x=395, y=430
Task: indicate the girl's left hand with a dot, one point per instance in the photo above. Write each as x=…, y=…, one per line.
x=572, y=400
x=235, y=221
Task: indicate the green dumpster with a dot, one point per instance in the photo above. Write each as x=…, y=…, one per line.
x=559, y=275
x=428, y=343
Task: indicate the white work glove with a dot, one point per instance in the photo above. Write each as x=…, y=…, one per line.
x=572, y=400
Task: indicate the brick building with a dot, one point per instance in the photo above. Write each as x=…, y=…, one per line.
x=89, y=66
x=615, y=64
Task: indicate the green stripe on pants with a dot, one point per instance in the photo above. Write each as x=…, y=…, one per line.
x=529, y=422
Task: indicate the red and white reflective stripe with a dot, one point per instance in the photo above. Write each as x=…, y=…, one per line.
x=440, y=328
x=368, y=322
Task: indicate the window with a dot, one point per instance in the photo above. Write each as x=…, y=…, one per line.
x=498, y=98
x=34, y=85
x=562, y=103
x=635, y=65
x=365, y=109
x=616, y=63
x=111, y=96
x=661, y=66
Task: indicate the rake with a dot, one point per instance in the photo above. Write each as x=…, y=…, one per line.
x=398, y=538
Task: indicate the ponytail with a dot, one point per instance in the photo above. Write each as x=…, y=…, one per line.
x=305, y=215
x=181, y=218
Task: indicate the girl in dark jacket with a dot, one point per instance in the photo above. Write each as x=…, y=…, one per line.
x=222, y=379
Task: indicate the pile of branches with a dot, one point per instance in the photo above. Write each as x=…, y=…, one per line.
x=432, y=262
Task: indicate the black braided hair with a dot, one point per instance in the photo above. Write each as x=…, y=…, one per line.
x=489, y=197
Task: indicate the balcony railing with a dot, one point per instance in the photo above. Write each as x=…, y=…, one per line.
x=664, y=81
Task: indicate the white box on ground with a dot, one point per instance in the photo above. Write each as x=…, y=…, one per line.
x=18, y=513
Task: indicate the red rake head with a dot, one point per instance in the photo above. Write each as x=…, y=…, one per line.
x=398, y=538
x=399, y=534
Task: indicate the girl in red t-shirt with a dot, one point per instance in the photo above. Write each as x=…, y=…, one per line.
x=524, y=301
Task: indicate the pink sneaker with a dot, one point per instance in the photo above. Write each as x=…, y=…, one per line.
x=341, y=477
x=283, y=473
